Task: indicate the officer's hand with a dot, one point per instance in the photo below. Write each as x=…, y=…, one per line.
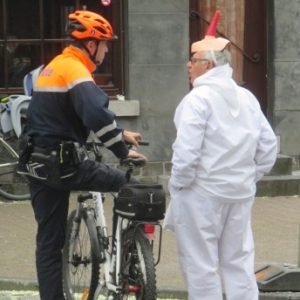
x=135, y=154
x=132, y=137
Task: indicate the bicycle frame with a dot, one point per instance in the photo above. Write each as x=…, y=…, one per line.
x=9, y=148
x=12, y=152
x=8, y=166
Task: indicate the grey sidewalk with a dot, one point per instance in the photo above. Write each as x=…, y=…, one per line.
x=275, y=226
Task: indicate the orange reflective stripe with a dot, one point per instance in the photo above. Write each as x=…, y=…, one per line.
x=65, y=71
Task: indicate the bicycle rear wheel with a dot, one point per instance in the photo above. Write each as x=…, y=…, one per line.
x=12, y=185
x=81, y=273
x=137, y=276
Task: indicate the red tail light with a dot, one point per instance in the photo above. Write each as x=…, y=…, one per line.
x=134, y=289
x=149, y=228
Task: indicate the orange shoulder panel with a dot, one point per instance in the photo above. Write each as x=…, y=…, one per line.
x=62, y=71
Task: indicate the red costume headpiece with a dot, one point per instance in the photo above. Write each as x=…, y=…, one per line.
x=210, y=42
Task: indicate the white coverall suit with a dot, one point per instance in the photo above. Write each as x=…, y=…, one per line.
x=224, y=145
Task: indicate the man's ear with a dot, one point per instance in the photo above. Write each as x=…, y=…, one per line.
x=210, y=65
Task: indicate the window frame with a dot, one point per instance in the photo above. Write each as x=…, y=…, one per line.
x=117, y=86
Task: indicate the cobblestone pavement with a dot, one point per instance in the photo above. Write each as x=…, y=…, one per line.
x=275, y=223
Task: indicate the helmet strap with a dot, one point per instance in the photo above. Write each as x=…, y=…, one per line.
x=92, y=56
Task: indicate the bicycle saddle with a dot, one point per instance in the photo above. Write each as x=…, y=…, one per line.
x=132, y=163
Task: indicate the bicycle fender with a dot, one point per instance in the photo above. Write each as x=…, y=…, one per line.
x=97, y=248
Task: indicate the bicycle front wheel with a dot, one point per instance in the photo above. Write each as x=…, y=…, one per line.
x=81, y=270
x=12, y=185
x=137, y=274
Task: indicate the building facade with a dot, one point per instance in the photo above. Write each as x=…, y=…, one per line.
x=145, y=73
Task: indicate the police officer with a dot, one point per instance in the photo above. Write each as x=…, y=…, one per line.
x=66, y=105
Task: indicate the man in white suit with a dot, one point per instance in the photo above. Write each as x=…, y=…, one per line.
x=224, y=145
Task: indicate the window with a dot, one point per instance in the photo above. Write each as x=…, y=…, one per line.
x=33, y=32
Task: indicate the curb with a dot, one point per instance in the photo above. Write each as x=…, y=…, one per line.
x=162, y=292
x=18, y=285
x=27, y=285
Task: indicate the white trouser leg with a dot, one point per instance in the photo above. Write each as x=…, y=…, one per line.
x=236, y=253
x=196, y=228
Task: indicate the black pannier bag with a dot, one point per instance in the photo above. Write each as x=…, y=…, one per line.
x=144, y=202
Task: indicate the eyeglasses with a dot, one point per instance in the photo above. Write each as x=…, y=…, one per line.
x=195, y=59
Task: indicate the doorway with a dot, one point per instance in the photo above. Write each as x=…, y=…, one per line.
x=244, y=23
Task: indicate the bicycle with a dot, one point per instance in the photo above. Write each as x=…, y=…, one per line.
x=127, y=256
x=14, y=186
x=13, y=117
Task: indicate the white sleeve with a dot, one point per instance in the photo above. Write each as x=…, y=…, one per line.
x=190, y=120
x=266, y=152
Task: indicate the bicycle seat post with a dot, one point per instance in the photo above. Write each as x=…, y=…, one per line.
x=128, y=173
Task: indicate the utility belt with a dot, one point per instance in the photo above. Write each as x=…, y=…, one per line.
x=66, y=154
x=52, y=158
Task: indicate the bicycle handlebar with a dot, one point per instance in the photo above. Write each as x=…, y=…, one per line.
x=100, y=144
x=129, y=162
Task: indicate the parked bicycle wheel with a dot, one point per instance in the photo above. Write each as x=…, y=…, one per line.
x=138, y=276
x=12, y=185
x=81, y=271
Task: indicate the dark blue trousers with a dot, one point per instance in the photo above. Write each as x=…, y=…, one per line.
x=50, y=205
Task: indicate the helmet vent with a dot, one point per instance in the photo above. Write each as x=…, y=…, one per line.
x=101, y=30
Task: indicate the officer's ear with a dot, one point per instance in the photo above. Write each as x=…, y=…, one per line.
x=90, y=45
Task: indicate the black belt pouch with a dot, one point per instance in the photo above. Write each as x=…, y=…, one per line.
x=25, y=148
x=69, y=155
x=51, y=166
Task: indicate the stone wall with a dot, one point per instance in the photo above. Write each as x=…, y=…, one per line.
x=158, y=50
x=158, y=53
x=285, y=44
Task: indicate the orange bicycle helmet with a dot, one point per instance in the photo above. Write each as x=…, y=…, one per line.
x=84, y=24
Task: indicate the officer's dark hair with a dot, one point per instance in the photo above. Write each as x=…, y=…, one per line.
x=81, y=43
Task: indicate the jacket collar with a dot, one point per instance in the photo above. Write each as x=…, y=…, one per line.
x=74, y=51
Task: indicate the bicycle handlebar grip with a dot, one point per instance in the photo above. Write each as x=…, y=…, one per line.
x=143, y=142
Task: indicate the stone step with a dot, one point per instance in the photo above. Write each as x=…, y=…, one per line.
x=280, y=181
x=268, y=186
x=273, y=186
x=282, y=166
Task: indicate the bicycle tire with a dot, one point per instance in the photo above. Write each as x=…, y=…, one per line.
x=80, y=277
x=138, y=268
x=13, y=186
